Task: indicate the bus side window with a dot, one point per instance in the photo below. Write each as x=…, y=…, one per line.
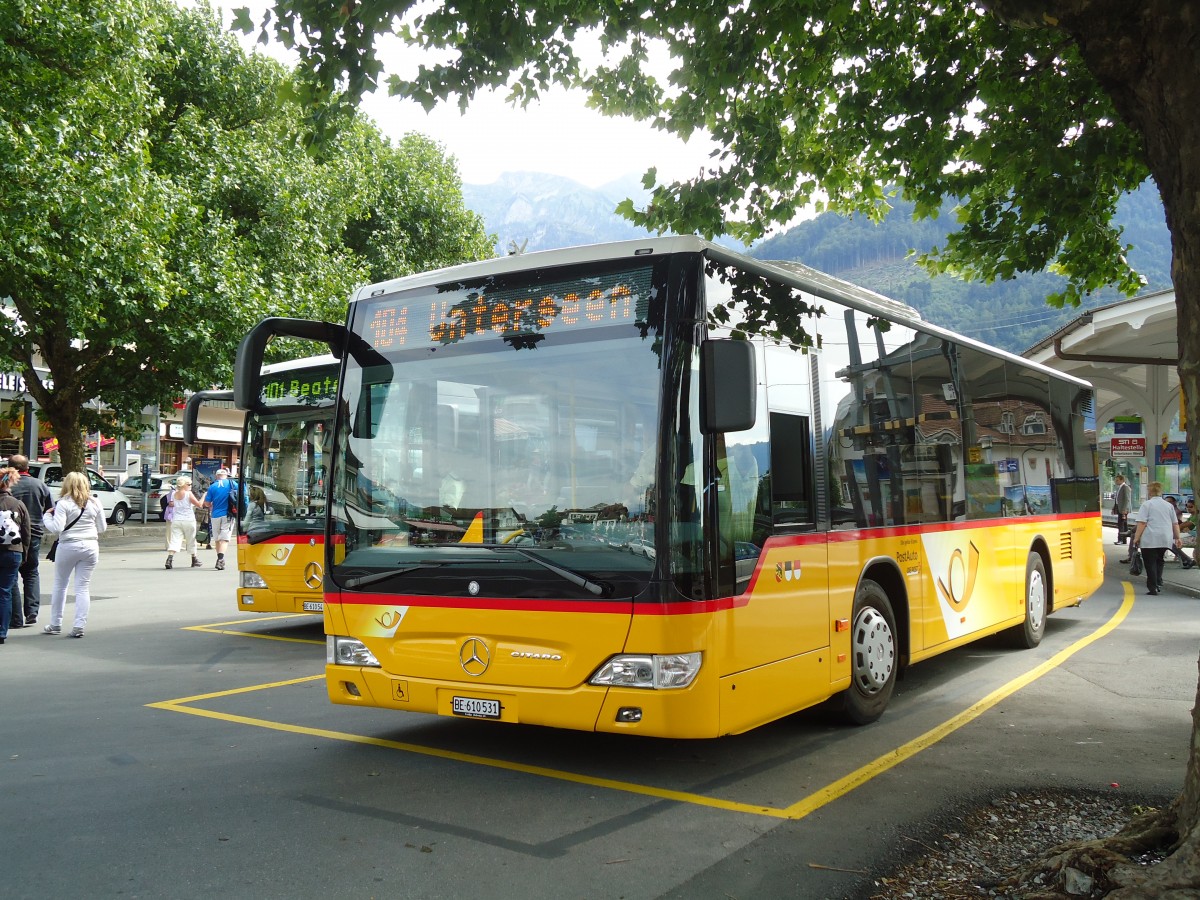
x=791, y=471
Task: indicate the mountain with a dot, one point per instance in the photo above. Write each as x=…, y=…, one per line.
x=535, y=211
x=1009, y=314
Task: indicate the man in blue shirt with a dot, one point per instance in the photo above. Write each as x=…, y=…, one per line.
x=219, y=500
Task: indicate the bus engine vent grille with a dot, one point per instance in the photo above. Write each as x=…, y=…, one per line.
x=1065, y=546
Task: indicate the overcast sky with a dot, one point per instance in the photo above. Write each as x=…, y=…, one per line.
x=559, y=135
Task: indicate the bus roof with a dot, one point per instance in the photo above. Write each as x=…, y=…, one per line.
x=803, y=278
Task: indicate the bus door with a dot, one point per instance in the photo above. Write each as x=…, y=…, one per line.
x=772, y=559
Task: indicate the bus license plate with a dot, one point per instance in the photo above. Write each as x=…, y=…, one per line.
x=476, y=708
x=314, y=606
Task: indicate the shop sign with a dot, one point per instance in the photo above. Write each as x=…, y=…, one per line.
x=1127, y=448
x=15, y=384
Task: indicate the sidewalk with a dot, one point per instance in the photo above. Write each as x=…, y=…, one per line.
x=1176, y=579
x=132, y=534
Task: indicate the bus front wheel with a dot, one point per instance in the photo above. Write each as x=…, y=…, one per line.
x=873, y=655
x=1029, y=633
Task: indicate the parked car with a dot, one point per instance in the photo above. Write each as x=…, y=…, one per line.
x=160, y=485
x=642, y=547
x=115, y=503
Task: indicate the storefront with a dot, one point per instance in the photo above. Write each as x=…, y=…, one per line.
x=160, y=445
x=1129, y=352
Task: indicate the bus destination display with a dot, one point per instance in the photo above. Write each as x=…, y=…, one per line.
x=449, y=317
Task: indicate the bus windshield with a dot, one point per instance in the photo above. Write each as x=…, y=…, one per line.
x=515, y=449
x=284, y=471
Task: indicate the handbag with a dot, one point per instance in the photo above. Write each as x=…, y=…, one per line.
x=169, y=512
x=54, y=547
x=1135, y=562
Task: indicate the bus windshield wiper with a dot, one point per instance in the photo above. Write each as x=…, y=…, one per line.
x=375, y=577
x=569, y=574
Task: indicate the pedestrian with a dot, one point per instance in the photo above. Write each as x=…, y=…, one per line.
x=219, y=500
x=1186, y=561
x=14, y=542
x=77, y=518
x=181, y=508
x=1122, y=503
x=1157, y=529
x=27, y=599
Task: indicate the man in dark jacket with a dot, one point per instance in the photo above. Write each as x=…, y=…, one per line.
x=1122, y=504
x=36, y=497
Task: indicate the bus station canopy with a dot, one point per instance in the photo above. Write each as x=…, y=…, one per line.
x=1129, y=351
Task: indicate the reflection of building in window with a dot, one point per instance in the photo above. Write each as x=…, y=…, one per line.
x=1034, y=424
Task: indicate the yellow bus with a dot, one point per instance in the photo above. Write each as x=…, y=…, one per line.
x=595, y=489
x=284, y=458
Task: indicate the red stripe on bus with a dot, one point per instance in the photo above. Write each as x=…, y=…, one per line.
x=285, y=539
x=616, y=607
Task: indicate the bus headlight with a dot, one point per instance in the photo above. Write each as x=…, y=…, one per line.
x=344, y=651
x=252, y=580
x=671, y=670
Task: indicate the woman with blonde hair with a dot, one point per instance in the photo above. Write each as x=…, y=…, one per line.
x=77, y=520
x=182, y=505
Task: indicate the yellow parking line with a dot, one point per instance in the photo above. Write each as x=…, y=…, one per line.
x=218, y=628
x=797, y=810
x=861, y=776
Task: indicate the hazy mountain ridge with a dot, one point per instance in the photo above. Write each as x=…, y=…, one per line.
x=545, y=212
x=1010, y=314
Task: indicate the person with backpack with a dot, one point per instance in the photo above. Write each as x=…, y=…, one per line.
x=36, y=497
x=221, y=500
x=14, y=543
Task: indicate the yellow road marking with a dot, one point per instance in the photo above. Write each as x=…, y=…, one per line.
x=797, y=810
x=218, y=628
x=861, y=776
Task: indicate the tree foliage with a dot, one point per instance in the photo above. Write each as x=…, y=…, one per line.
x=811, y=103
x=1034, y=116
x=155, y=202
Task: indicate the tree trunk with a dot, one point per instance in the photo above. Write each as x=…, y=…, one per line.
x=61, y=409
x=1144, y=56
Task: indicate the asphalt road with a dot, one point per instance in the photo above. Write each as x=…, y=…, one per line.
x=183, y=749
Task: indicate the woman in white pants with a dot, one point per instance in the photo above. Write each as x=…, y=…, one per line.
x=77, y=520
x=182, y=503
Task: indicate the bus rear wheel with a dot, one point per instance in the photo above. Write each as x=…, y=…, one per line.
x=873, y=655
x=1029, y=633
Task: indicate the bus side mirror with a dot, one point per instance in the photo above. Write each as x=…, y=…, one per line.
x=728, y=385
x=247, y=366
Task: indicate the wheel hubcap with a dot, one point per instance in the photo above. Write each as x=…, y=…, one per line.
x=874, y=651
x=1035, y=601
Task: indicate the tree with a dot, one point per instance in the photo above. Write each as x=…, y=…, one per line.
x=1034, y=115
x=155, y=203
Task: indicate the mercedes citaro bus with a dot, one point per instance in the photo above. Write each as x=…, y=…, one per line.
x=660, y=488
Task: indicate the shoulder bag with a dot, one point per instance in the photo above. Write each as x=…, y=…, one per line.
x=54, y=547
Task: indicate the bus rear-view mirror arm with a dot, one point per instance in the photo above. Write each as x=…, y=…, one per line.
x=254, y=344
x=191, y=413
